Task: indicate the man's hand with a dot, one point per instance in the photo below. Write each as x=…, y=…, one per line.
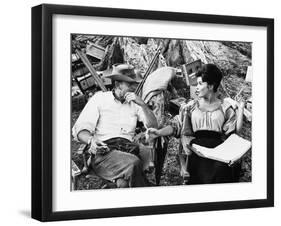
x=149, y=118
x=129, y=96
x=152, y=133
x=98, y=147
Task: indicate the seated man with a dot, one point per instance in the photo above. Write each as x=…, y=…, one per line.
x=107, y=124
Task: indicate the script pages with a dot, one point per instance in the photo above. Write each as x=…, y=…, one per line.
x=232, y=149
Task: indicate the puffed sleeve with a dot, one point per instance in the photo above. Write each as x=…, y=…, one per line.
x=230, y=121
x=89, y=116
x=181, y=123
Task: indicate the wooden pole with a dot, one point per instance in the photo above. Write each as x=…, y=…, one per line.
x=147, y=73
x=91, y=69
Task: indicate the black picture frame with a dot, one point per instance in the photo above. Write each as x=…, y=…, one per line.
x=42, y=107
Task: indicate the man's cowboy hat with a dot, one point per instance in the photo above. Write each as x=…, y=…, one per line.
x=124, y=72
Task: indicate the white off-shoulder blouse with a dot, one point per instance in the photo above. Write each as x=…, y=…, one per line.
x=191, y=119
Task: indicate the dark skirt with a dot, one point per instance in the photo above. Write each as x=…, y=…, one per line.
x=208, y=171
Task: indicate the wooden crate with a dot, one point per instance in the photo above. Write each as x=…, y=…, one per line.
x=95, y=51
x=78, y=102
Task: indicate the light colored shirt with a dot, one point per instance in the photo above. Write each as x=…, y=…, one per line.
x=105, y=117
x=223, y=119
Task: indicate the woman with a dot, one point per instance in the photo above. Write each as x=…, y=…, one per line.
x=207, y=122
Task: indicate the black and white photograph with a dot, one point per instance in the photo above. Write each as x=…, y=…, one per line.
x=140, y=112
x=156, y=111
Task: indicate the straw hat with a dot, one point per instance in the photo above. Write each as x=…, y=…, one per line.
x=124, y=72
